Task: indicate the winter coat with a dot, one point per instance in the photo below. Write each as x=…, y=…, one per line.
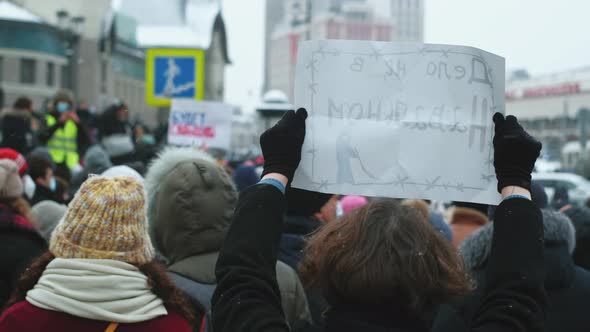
x=247, y=296
x=465, y=221
x=20, y=244
x=567, y=285
x=293, y=239
x=291, y=247
x=580, y=217
x=16, y=130
x=191, y=204
x=24, y=317
x=43, y=193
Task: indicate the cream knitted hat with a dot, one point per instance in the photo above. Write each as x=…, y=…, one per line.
x=105, y=220
x=11, y=185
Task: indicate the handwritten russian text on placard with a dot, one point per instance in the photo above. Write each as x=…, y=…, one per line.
x=399, y=120
x=197, y=123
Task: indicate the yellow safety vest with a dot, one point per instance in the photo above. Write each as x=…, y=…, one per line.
x=63, y=145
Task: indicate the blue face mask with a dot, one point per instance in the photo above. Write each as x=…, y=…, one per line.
x=62, y=106
x=52, y=185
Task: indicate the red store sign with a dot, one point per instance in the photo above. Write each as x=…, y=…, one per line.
x=545, y=91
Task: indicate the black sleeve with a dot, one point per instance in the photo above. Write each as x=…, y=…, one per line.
x=83, y=139
x=514, y=297
x=247, y=297
x=19, y=249
x=47, y=132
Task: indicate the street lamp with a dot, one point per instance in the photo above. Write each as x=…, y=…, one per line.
x=70, y=29
x=62, y=17
x=77, y=24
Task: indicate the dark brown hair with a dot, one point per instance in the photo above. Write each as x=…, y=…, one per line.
x=23, y=103
x=384, y=254
x=38, y=166
x=173, y=298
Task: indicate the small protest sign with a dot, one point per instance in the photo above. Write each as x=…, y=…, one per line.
x=399, y=120
x=199, y=123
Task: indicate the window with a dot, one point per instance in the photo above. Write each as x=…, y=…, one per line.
x=50, y=75
x=1, y=68
x=27, y=71
x=333, y=30
x=65, y=77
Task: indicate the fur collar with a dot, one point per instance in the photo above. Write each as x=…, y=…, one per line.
x=580, y=217
x=23, y=114
x=167, y=160
x=477, y=247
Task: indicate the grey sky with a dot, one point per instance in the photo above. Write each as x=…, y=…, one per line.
x=542, y=36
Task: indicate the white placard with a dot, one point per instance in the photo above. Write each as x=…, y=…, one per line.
x=399, y=120
x=200, y=123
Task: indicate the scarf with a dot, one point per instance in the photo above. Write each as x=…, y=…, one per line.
x=97, y=289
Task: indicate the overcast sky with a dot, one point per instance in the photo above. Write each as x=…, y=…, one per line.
x=542, y=36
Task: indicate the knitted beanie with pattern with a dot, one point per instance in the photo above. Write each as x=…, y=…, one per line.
x=105, y=220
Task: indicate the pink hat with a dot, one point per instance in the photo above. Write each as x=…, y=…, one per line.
x=351, y=203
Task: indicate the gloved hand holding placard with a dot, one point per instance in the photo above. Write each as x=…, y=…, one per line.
x=399, y=120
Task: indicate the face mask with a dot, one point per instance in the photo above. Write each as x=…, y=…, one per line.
x=52, y=185
x=63, y=106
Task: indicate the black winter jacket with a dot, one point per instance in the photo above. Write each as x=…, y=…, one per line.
x=567, y=285
x=16, y=131
x=20, y=244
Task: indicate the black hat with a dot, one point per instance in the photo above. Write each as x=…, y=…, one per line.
x=538, y=195
x=305, y=203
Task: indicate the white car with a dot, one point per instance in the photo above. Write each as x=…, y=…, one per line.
x=578, y=187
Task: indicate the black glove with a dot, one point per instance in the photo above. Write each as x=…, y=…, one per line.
x=515, y=153
x=281, y=144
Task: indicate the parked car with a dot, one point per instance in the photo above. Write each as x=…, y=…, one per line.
x=577, y=186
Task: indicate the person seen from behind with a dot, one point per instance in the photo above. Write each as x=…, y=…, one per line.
x=16, y=126
x=99, y=273
x=191, y=205
x=20, y=241
x=382, y=267
x=116, y=134
x=567, y=285
x=466, y=218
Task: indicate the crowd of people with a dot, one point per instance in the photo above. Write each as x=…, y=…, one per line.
x=104, y=228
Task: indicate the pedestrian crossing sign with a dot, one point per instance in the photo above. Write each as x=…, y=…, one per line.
x=174, y=73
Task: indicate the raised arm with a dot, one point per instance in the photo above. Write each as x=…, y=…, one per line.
x=514, y=297
x=247, y=296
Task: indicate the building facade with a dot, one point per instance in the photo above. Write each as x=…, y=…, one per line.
x=110, y=62
x=33, y=59
x=549, y=105
x=354, y=20
x=408, y=16
x=336, y=19
x=274, y=13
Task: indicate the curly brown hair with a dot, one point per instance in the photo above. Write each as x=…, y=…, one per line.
x=173, y=298
x=21, y=207
x=384, y=254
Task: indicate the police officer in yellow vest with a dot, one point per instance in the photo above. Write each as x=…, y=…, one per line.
x=63, y=133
